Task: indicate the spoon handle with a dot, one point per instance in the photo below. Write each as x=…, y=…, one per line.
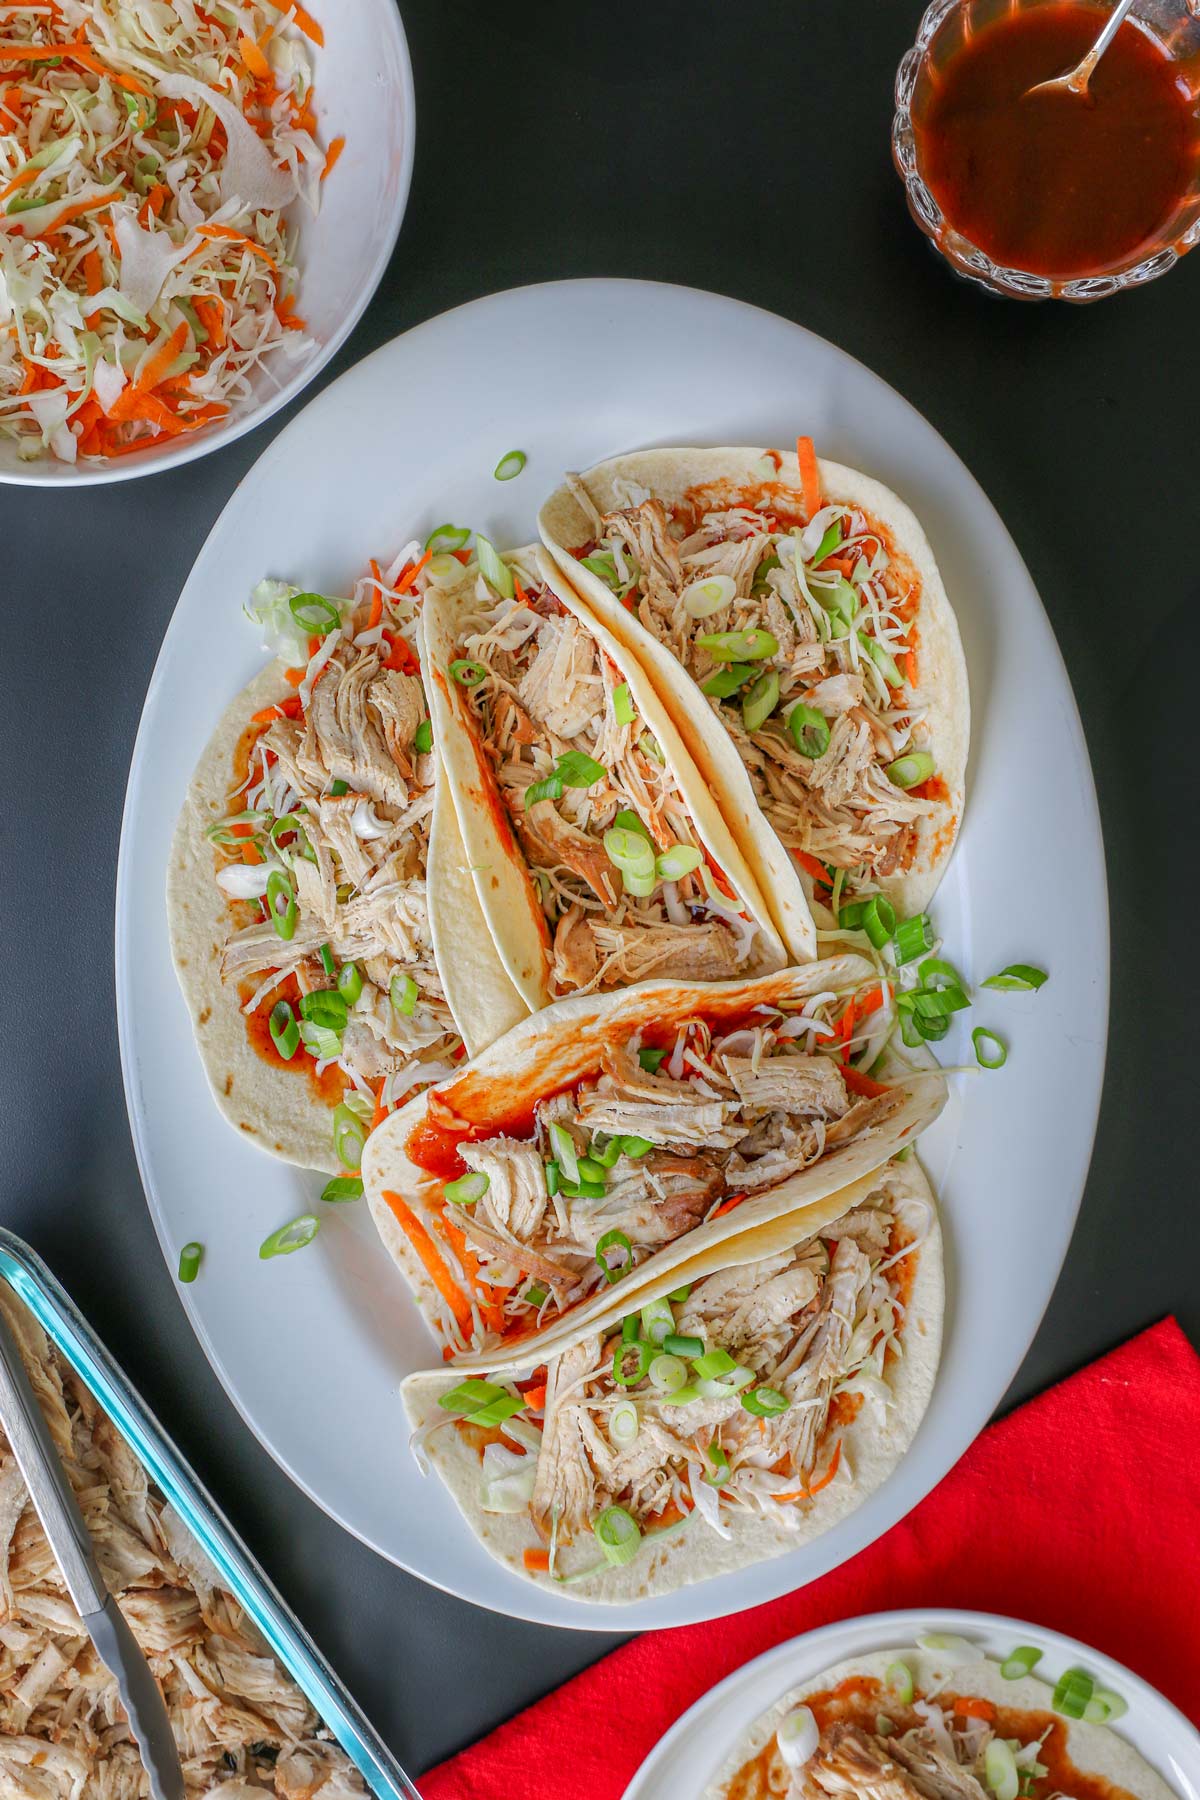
x=1115, y=20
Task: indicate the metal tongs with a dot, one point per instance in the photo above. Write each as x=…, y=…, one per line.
x=68, y=1536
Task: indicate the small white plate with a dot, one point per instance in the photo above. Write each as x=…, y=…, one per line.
x=691, y=1753
x=312, y=1348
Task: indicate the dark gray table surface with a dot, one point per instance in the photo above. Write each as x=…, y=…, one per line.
x=745, y=151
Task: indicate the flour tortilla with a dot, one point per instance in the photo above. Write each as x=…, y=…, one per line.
x=870, y=1451
x=506, y=892
x=1095, y=1749
x=278, y=1108
x=562, y=1045
x=944, y=697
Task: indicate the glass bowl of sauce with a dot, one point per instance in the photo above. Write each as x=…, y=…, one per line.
x=1052, y=195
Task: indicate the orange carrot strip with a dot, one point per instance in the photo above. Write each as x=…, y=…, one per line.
x=381, y=1111
x=535, y=1397
x=410, y=574
x=237, y=237
x=19, y=181
x=435, y=1268
x=727, y=1205
x=806, y=1493
x=211, y=314
x=810, y=480
x=376, y=612
x=250, y=854
x=537, y=1560
x=254, y=59
x=309, y=26
x=812, y=867
x=858, y=1083
x=973, y=1708
x=331, y=156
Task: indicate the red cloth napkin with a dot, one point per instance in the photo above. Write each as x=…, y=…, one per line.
x=1079, y=1511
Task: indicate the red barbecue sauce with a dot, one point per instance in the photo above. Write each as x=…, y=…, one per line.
x=1056, y=184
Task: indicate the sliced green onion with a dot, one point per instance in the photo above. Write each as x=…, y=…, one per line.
x=882, y=659
x=727, y=681
x=678, y=1295
x=281, y=903
x=553, y=1178
x=711, y=1364
x=876, y=916
x=314, y=613
x=603, y=565
x=324, y=1007
x=1000, y=1769
x=913, y=938
x=338, y=788
x=190, y=1258
x=618, y=1534
x=700, y=599
x=496, y=1411
x=470, y=1395
x=289, y=1237
x=911, y=770
x=650, y=746
x=468, y=1188
x=423, y=737
x=1104, y=1706
x=898, y=1677
x=510, y=464
x=576, y=770
x=349, y=983
x=629, y=851
x=657, y=1321
x=320, y=1042
x=991, y=1052
x=721, y=1387
x=584, y=1190
x=636, y=1147
x=640, y=885
x=682, y=1396
x=809, y=729
x=402, y=991
x=494, y=568
x=765, y=1402
x=563, y=1146
x=349, y=1136
x=676, y=1345
x=667, y=1374
x=536, y=1295
x=447, y=538
x=614, y=1240
x=916, y=1030
x=590, y=1169
x=760, y=701
x=605, y=1156
x=678, y=861
x=938, y=1003
x=548, y=789
x=628, y=820
x=1075, y=1688
x=631, y=1326
x=841, y=601
x=760, y=584
x=327, y=962
x=285, y=1033
x=829, y=543
x=622, y=705
x=342, y=1187
x=738, y=646
x=466, y=672
x=1023, y=1658
x=624, y=1424
x=718, y=1466
x=1018, y=978
x=626, y=1374
x=650, y=1060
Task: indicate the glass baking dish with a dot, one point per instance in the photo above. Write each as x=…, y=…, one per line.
x=58, y=1316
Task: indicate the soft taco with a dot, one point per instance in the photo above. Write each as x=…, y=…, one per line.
x=613, y=1137
x=792, y=616
x=938, y=1720
x=734, y=1410
x=600, y=858
x=314, y=839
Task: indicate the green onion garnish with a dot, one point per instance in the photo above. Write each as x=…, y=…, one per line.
x=941, y=990
x=991, y=1052
x=402, y=991
x=710, y=1365
x=326, y=955
x=190, y=1258
x=583, y=1190
x=622, y=705
x=618, y=1534
x=466, y=672
x=603, y=565
x=677, y=1345
x=563, y=1146
x=898, y=1677
x=738, y=646
x=285, y=1033
x=1104, y=1706
x=678, y=861
x=881, y=658
x=605, y=1156
x=635, y=1147
x=342, y=1187
x=314, y=613
x=625, y=1373
x=876, y=916
x=281, y=903
x=628, y=820
x=349, y=1136
x=727, y=681
x=1000, y=1769
x=494, y=568
x=681, y=1396
x=618, y=1241
x=629, y=851
x=536, y=1295
x=650, y=1060
x=1018, y=978
x=553, y=1178
x=1075, y=1688
x=467, y=1189
x=423, y=737
x=841, y=601
x=809, y=729
x=320, y=1042
x=289, y=1237
x=915, y=1030
x=760, y=584
x=497, y=1410
x=624, y=1424
x=470, y=1395
x=510, y=464
x=678, y=1295
x=324, y=1007
x=765, y=1402
x=760, y=701
x=828, y=544
x=913, y=938
x=1023, y=1658
x=631, y=1326
x=349, y=983
x=911, y=770
x=337, y=789
x=657, y=1321
x=667, y=1374
x=579, y=771
x=591, y=1169
x=446, y=538
x=718, y=1466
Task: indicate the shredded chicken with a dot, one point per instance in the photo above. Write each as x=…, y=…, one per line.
x=242, y=1726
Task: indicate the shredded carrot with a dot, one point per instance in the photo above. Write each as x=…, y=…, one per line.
x=535, y=1397
x=842, y=565
x=376, y=612
x=308, y=26
x=236, y=237
x=131, y=402
x=211, y=314
x=810, y=479
x=381, y=1111
x=435, y=1268
x=250, y=854
x=537, y=1560
x=285, y=312
x=866, y=1085
x=332, y=156
x=806, y=1493
x=972, y=1708
x=254, y=59
x=410, y=574
x=80, y=207
x=19, y=181
x=812, y=867
x=400, y=655
x=294, y=677
x=153, y=203
x=727, y=1205
x=288, y=708
x=859, y=1009
x=909, y=659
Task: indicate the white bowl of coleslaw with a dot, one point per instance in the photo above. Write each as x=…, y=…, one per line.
x=198, y=199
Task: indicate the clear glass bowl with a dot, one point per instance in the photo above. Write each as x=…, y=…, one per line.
x=1175, y=24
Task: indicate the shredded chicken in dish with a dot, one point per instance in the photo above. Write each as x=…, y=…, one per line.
x=621, y=871
x=241, y=1724
x=661, y=1140
x=728, y=1398
x=323, y=857
x=803, y=639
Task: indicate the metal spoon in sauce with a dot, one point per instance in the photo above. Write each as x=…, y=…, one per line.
x=1075, y=81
